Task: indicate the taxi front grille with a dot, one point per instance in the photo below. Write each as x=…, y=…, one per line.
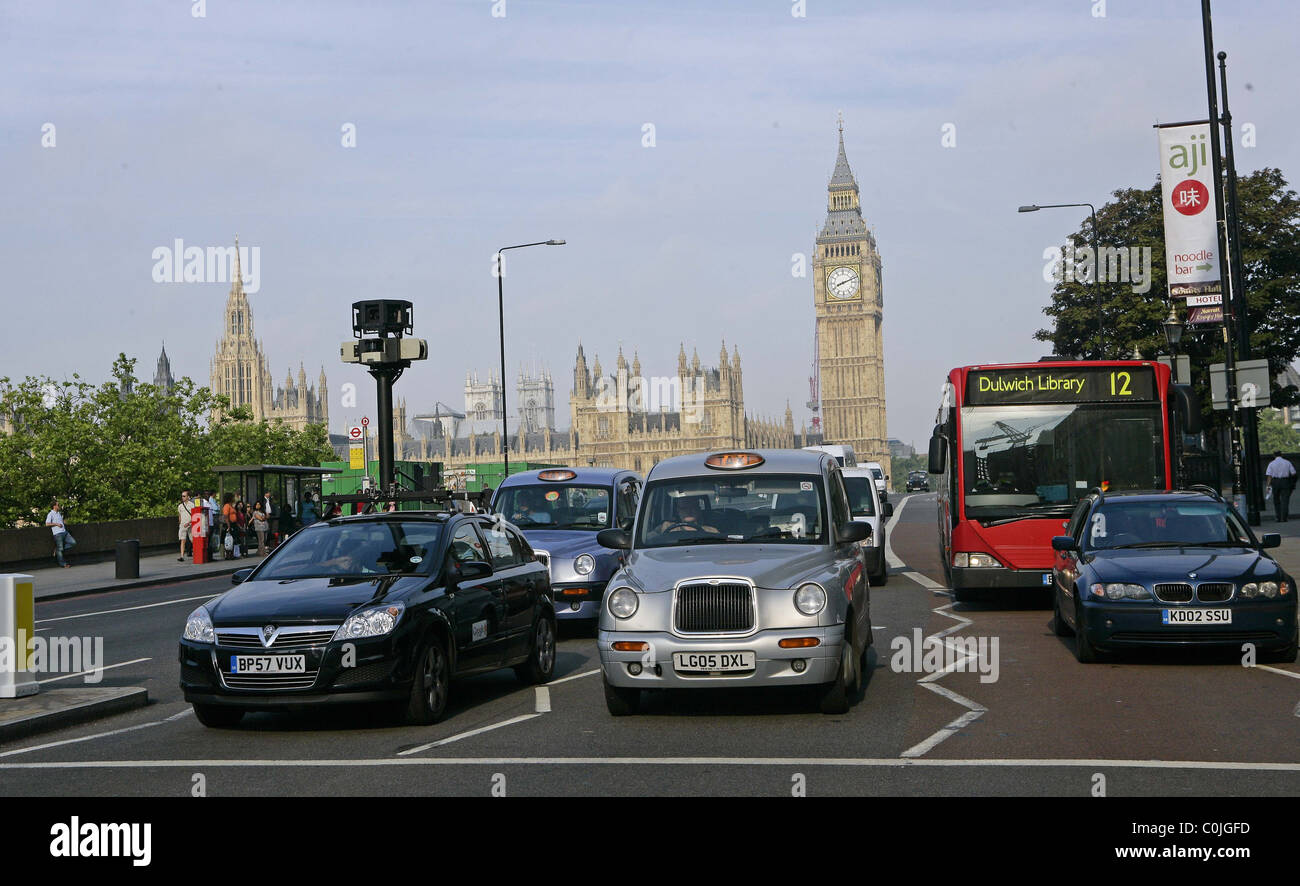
x=708, y=608
x=1174, y=592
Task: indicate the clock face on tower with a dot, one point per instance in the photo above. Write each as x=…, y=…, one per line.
x=842, y=283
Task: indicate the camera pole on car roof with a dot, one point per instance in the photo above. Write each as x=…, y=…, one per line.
x=378, y=330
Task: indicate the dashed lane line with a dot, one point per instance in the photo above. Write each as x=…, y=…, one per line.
x=574, y=677
x=120, y=664
x=462, y=735
x=41, y=621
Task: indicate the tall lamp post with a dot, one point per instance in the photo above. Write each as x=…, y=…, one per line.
x=501, y=316
x=1173, y=335
x=1096, y=265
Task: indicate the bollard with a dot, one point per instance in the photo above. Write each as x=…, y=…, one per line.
x=128, y=559
x=199, y=536
x=17, y=624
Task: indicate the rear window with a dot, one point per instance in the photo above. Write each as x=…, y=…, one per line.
x=861, y=500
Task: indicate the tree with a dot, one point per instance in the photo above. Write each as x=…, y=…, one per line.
x=1269, y=217
x=1275, y=435
x=126, y=449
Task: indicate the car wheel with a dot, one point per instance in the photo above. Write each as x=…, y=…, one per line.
x=833, y=697
x=621, y=700
x=1059, y=627
x=1084, y=651
x=540, y=666
x=217, y=716
x=431, y=685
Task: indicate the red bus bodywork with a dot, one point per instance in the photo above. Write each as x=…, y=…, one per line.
x=1024, y=546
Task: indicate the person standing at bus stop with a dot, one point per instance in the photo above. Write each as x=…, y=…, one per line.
x=1281, y=479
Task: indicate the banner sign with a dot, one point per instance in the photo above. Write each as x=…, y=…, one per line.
x=1187, y=201
x=356, y=458
x=1210, y=314
x=1092, y=384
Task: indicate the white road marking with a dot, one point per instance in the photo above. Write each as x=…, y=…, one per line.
x=925, y=581
x=880, y=762
x=891, y=559
x=543, y=705
x=1290, y=674
x=574, y=677
x=469, y=734
x=125, y=609
x=120, y=664
x=55, y=744
x=180, y=716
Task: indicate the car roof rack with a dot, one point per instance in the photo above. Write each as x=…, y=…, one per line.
x=1101, y=495
x=1208, y=490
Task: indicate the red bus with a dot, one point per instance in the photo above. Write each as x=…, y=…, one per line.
x=1017, y=445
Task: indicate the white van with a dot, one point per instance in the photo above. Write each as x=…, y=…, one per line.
x=866, y=507
x=882, y=479
x=843, y=454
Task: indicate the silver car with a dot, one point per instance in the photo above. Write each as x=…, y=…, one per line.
x=743, y=569
x=560, y=510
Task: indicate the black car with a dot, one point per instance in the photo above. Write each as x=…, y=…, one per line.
x=918, y=481
x=1169, y=569
x=379, y=608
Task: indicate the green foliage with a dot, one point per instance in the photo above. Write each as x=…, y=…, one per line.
x=1275, y=435
x=126, y=449
x=1269, y=218
x=901, y=467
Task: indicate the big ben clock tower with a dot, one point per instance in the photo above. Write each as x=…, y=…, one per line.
x=848, y=300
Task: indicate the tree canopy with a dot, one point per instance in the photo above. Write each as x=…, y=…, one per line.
x=1269, y=218
x=125, y=449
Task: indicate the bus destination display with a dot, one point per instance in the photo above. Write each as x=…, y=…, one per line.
x=1092, y=384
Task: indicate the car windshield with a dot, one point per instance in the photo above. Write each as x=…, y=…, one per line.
x=556, y=506
x=730, y=509
x=861, y=502
x=877, y=473
x=1165, y=523
x=1025, y=460
x=380, y=547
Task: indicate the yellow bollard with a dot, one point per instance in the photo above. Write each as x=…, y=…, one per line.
x=17, y=627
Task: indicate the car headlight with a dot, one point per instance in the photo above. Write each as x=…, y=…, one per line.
x=976, y=561
x=584, y=564
x=1268, y=589
x=1115, y=590
x=623, y=602
x=1250, y=589
x=810, y=599
x=374, y=621
x=198, y=627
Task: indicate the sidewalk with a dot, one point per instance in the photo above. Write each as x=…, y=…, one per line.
x=1289, y=554
x=53, y=582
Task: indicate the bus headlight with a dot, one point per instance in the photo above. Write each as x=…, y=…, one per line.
x=975, y=561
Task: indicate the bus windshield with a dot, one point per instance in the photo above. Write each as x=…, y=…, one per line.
x=1027, y=460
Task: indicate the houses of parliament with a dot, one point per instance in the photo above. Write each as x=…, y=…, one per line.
x=610, y=423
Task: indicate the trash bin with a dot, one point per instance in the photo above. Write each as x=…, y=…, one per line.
x=128, y=558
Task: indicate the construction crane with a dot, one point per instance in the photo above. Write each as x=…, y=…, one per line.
x=814, y=384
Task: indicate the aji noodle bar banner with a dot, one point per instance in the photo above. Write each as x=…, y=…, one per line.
x=1187, y=201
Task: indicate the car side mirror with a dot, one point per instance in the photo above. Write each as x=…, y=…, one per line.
x=470, y=570
x=886, y=509
x=1270, y=540
x=1064, y=543
x=240, y=575
x=852, y=532
x=618, y=539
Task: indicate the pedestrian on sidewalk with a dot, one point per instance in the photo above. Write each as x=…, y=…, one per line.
x=1281, y=479
x=241, y=530
x=213, y=513
x=62, y=538
x=260, y=526
x=308, y=509
x=183, y=515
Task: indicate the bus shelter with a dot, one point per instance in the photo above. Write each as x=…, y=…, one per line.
x=286, y=483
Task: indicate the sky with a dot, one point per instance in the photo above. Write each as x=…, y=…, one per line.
x=125, y=126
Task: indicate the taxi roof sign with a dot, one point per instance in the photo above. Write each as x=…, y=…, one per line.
x=733, y=461
x=556, y=475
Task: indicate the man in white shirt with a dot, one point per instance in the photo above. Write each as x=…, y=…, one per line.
x=1281, y=477
x=54, y=519
x=183, y=515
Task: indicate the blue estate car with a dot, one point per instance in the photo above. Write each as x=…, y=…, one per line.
x=560, y=510
x=1169, y=569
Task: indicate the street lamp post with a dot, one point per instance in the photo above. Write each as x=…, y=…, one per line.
x=1096, y=264
x=501, y=317
x=1173, y=335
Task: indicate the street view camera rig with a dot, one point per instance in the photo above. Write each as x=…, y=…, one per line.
x=379, y=342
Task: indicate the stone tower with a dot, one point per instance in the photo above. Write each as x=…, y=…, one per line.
x=849, y=307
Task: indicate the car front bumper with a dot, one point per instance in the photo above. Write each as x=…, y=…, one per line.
x=1117, y=625
x=582, y=600
x=378, y=669
x=967, y=577
x=774, y=666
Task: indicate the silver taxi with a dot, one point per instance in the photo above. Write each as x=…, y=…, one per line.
x=743, y=569
x=560, y=510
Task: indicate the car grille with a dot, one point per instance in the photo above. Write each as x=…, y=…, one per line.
x=543, y=557
x=708, y=608
x=1213, y=592
x=288, y=638
x=270, y=681
x=1174, y=592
